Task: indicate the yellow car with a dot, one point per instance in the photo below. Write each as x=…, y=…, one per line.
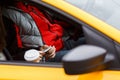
x=98, y=59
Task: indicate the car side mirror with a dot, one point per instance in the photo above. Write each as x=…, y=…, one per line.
x=85, y=59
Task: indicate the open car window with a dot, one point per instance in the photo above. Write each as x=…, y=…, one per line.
x=79, y=29
x=73, y=31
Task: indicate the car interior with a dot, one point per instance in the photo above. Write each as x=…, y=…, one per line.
x=70, y=32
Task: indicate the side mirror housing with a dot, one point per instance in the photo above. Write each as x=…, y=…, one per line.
x=86, y=58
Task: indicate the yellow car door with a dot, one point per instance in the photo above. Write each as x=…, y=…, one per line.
x=31, y=71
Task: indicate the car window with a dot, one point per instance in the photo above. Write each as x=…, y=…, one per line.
x=106, y=10
x=72, y=33
x=79, y=29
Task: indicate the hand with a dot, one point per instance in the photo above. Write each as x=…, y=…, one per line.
x=39, y=58
x=50, y=53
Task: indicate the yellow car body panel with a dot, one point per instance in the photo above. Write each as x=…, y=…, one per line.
x=101, y=75
x=49, y=73
x=33, y=73
x=108, y=30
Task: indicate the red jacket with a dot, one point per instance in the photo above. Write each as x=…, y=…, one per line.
x=51, y=33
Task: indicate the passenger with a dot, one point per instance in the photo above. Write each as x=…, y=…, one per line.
x=34, y=31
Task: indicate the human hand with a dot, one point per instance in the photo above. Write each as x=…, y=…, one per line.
x=50, y=53
x=37, y=60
